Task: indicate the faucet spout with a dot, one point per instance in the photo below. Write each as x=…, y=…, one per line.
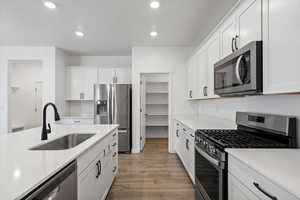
x=46, y=130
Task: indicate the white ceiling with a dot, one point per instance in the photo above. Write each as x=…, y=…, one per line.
x=112, y=27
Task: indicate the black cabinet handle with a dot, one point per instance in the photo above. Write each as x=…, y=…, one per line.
x=235, y=42
x=205, y=91
x=187, y=144
x=114, y=169
x=177, y=133
x=232, y=41
x=98, y=164
x=264, y=191
x=114, y=134
x=114, y=144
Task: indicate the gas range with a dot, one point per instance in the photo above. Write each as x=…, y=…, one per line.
x=254, y=130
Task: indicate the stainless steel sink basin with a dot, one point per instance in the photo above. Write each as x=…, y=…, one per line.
x=65, y=142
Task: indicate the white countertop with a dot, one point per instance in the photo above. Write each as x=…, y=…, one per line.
x=21, y=170
x=281, y=166
x=205, y=122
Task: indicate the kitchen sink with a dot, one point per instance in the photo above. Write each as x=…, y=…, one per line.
x=65, y=142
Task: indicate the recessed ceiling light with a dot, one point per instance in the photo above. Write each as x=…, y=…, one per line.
x=50, y=5
x=79, y=33
x=153, y=34
x=154, y=4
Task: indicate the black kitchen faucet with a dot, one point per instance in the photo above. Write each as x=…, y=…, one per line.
x=46, y=130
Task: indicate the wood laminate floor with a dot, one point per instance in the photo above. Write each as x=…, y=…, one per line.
x=154, y=174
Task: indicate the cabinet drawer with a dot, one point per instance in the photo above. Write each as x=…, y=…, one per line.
x=90, y=155
x=250, y=178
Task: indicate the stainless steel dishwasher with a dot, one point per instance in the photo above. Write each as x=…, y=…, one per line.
x=61, y=186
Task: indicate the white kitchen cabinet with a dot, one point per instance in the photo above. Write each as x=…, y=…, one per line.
x=191, y=76
x=213, y=56
x=281, y=46
x=97, y=169
x=241, y=27
x=227, y=35
x=249, y=22
x=246, y=183
x=237, y=191
x=123, y=75
x=114, y=75
x=197, y=75
x=201, y=74
x=185, y=149
x=106, y=75
x=80, y=81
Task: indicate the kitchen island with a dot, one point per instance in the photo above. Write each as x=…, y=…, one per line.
x=22, y=169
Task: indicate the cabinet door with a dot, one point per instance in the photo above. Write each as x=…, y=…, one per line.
x=88, y=182
x=249, y=19
x=191, y=76
x=74, y=83
x=106, y=75
x=213, y=56
x=89, y=78
x=123, y=75
x=200, y=82
x=281, y=46
x=227, y=34
x=237, y=191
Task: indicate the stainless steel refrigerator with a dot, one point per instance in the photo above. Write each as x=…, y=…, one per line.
x=112, y=105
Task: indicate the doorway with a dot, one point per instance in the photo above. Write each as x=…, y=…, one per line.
x=155, y=107
x=25, y=97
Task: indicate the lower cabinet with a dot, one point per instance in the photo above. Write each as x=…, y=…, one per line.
x=237, y=191
x=246, y=183
x=184, y=147
x=97, y=169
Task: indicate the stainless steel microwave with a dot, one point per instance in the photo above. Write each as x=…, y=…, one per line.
x=241, y=72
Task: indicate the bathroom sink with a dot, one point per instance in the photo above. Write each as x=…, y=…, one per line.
x=65, y=142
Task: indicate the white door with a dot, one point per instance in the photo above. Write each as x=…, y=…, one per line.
x=213, y=56
x=143, y=111
x=227, y=35
x=249, y=19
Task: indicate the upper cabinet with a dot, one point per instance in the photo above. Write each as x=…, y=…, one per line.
x=228, y=35
x=249, y=18
x=114, y=75
x=79, y=82
x=213, y=56
x=241, y=27
x=197, y=75
x=123, y=75
x=281, y=46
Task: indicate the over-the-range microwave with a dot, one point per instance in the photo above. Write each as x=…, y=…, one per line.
x=241, y=72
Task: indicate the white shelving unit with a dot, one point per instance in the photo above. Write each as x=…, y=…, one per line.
x=157, y=98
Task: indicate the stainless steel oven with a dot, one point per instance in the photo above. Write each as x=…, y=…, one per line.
x=210, y=172
x=241, y=72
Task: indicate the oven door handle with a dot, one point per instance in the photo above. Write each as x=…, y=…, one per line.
x=237, y=67
x=209, y=158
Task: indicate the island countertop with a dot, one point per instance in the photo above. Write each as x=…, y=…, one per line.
x=22, y=170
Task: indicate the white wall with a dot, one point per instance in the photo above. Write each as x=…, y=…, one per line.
x=45, y=54
x=159, y=60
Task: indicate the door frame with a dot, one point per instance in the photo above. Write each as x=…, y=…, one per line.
x=170, y=127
